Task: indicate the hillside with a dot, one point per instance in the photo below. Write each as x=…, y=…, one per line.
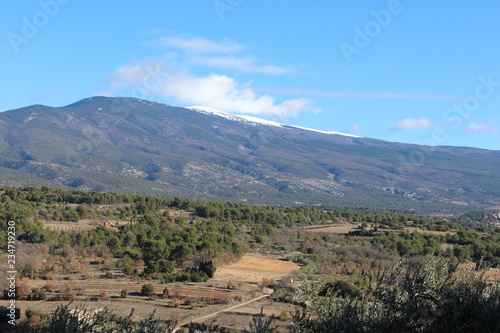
x=135, y=146
x=186, y=261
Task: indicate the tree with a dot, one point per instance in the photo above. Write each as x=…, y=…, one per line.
x=341, y=288
x=159, y=267
x=208, y=267
x=147, y=290
x=38, y=294
x=431, y=297
x=261, y=325
x=166, y=293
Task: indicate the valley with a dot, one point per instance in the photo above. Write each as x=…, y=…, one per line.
x=215, y=263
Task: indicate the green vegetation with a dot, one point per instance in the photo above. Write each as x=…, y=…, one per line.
x=164, y=233
x=148, y=290
x=467, y=245
x=177, y=239
x=428, y=297
x=85, y=320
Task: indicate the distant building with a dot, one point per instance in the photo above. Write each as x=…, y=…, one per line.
x=410, y=223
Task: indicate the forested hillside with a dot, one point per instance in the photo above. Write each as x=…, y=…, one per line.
x=176, y=229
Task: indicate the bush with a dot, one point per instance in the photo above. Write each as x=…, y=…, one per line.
x=38, y=294
x=148, y=290
x=260, y=324
x=104, y=296
x=81, y=319
x=166, y=293
x=124, y=293
x=342, y=289
x=208, y=267
x=32, y=312
x=431, y=297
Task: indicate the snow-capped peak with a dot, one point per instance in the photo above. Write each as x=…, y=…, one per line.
x=211, y=111
x=325, y=132
x=240, y=118
x=261, y=121
x=258, y=121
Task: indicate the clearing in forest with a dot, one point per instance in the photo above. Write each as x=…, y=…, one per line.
x=253, y=268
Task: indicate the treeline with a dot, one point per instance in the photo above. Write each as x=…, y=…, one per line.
x=180, y=238
x=241, y=212
x=478, y=219
x=464, y=245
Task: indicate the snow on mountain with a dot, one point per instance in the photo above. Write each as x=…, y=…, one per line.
x=325, y=132
x=211, y=111
x=259, y=121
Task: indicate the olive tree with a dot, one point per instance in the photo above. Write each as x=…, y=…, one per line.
x=431, y=296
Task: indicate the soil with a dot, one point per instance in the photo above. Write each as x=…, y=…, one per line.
x=254, y=268
x=233, y=284
x=342, y=229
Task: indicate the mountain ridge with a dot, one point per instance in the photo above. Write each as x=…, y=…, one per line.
x=130, y=145
x=260, y=121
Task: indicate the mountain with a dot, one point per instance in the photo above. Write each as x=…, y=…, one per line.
x=137, y=146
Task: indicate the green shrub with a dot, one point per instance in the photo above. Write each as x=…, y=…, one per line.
x=430, y=297
x=148, y=290
x=38, y=294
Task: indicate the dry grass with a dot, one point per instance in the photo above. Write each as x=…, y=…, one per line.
x=205, y=299
x=429, y=232
x=86, y=224
x=493, y=275
x=238, y=319
x=342, y=229
x=338, y=229
x=252, y=268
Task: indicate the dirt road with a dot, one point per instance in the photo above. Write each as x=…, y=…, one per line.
x=267, y=293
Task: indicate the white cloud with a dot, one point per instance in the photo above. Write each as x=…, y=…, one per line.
x=482, y=128
x=199, y=45
x=169, y=77
x=478, y=128
x=359, y=94
x=199, y=51
x=356, y=128
x=248, y=64
x=411, y=124
x=154, y=77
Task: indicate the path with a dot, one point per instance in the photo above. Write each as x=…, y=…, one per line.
x=267, y=293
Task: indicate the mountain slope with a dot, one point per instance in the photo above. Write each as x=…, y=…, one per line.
x=136, y=146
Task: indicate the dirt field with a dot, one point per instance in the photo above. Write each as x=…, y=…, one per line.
x=82, y=224
x=252, y=268
x=186, y=301
x=240, y=318
x=342, y=229
x=493, y=274
x=333, y=229
x=429, y=232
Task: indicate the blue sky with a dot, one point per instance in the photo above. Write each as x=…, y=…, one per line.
x=408, y=71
